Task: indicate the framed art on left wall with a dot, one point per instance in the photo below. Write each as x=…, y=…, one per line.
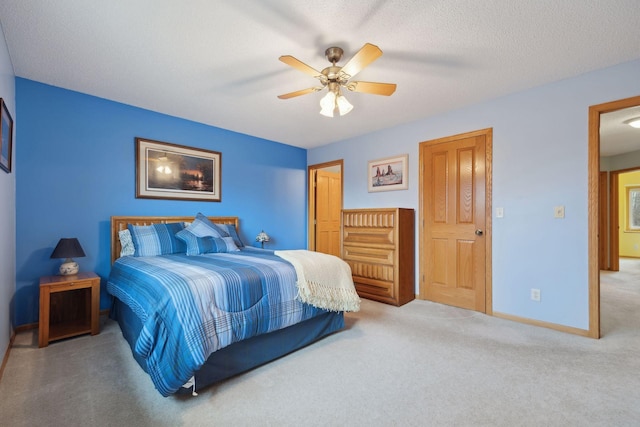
x=6, y=137
x=171, y=171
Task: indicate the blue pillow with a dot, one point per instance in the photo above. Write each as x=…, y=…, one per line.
x=202, y=226
x=231, y=231
x=206, y=244
x=157, y=239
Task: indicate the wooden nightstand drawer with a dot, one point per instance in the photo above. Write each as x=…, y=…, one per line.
x=60, y=287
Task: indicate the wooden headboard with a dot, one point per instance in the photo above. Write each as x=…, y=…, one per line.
x=119, y=223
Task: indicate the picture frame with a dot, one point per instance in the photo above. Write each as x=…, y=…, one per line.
x=633, y=208
x=177, y=172
x=388, y=174
x=6, y=137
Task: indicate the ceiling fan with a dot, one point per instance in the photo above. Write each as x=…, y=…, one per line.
x=335, y=77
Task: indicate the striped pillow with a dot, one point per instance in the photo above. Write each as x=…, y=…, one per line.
x=206, y=244
x=201, y=226
x=230, y=229
x=157, y=239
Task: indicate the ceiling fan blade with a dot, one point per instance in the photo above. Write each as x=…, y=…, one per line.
x=296, y=63
x=299, y=92
x=364, y=57
x=385, y=89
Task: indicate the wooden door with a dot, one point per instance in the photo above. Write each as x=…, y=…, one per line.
x=455, y=221
x=603, y=223
x=328, y=210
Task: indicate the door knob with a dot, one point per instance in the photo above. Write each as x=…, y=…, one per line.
x=478, y=232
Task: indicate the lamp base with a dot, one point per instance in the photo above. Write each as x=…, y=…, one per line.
x=69, y=267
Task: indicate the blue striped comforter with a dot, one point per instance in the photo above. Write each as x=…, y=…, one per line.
x=191, y=306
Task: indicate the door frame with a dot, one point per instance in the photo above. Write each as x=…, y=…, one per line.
x=614, y=217
x=594, y=183
x=488, y=133
x=614, y=221
x=604, y=228
x=311, y=197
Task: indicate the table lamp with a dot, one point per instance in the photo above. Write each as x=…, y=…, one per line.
x=262, y=237
x=68, y=249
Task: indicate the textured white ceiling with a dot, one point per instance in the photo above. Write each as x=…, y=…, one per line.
x=216, y=62
x=617, y=137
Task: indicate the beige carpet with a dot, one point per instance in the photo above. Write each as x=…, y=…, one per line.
x=422, y=364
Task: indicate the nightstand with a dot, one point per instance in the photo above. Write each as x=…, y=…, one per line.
x=69, y=306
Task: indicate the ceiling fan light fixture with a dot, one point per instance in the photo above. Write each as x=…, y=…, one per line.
x=334, y=100
x=334, y=77
x=328, y=104
x=634, y=123
x=344, y=106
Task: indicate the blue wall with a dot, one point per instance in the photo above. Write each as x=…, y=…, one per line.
x=76, y=168
x=540, y=150
x=7, y=204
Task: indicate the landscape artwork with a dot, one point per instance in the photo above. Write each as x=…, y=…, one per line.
x=6, y=137
x=170, y=171
x=388, y=174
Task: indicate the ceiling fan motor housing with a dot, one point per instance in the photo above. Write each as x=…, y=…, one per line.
x=333, y=75
x=334, y=54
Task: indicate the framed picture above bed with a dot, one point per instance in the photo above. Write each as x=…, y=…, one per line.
x=6, y=137
x=388, y=174
x=171, y=171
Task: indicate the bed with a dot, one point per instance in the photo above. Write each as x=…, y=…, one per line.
x=246, y=310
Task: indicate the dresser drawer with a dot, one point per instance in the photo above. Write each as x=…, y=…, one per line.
x=364, y=270
x=368, y=254
x=369, y=236
x=374, y=289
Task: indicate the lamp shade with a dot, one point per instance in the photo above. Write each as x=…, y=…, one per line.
x=68, y=248
x=344, y=106
x=328, y=104
x=262, y=237
x=334, y=100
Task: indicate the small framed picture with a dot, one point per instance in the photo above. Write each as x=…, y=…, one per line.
x=6, y=137
x=171, y=171
x=390, y=173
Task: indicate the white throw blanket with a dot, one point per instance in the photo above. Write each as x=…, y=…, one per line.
x=324, y=281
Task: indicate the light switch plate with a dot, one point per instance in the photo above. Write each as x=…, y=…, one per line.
x=558, y=212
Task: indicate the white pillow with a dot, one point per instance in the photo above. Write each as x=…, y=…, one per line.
x=126, y=244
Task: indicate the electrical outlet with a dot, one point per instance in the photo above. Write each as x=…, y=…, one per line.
x=535, y=294
x=558, y=212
